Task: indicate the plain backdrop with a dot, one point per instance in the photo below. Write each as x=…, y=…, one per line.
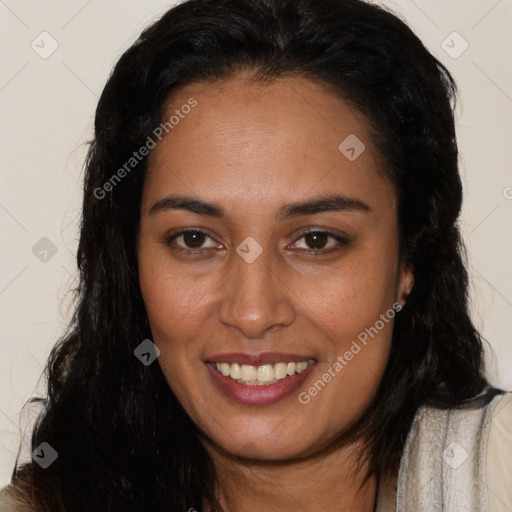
x=55, y=59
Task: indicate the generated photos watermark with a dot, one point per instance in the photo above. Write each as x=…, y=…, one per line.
x=143, y=151
x=344, y=359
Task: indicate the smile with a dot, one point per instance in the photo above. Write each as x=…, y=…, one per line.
x=261, y=375
x=259, y=379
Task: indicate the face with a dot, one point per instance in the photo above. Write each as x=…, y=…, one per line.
x=266, y=252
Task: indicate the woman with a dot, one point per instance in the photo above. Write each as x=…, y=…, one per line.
x=273, y=309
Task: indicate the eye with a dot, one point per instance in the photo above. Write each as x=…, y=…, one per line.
x=190, y=241
x=321, y=242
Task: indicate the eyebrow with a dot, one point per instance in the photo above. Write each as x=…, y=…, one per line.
x=328, y=203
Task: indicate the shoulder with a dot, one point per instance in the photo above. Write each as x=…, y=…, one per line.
x=11, y=500
x=445, y=459
x=499, y=456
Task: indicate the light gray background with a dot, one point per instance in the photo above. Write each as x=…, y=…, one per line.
x=47, y=106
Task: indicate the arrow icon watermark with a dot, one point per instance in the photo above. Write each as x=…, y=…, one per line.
x=249, y=249
x=146, y=352
x=352, y=147
x=44, y=250
x=45, y=455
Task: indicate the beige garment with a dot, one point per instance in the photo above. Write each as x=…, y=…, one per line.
x=8, y=503
x=499, y=457
x=499, y=468
x=499, y=464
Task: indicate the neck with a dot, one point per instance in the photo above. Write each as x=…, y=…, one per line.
x=325, y=481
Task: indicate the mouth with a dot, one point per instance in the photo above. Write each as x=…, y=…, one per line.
x=262, y=375
x=259, y=380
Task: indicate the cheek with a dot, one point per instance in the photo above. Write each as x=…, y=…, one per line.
x=171, y=298
x=353, y=297
x=173, y=305
x=353, y=310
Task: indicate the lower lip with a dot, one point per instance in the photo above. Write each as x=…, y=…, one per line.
x=258, y=394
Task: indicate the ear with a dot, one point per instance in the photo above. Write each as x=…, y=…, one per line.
x=405, y=283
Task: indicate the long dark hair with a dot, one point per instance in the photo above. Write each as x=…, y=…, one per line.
x=123, y=440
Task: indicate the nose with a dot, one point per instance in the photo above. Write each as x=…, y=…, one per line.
x=255, y=298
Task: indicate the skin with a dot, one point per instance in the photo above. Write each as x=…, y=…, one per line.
x=252, y=149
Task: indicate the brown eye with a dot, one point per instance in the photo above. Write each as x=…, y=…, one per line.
x=316, y=240
x=194, y=239
x=320, y=242
x=190, y=240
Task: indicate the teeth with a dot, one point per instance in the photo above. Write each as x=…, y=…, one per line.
x=236, y=371
x=258, y=375
x=300, y=367
x=265, y=373
x=280, y=371
x=249, y=372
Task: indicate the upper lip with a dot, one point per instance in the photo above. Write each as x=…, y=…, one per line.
x=257, y=359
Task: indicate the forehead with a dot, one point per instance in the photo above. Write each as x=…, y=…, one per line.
x=262, y=141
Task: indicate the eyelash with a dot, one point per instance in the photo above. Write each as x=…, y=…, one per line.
x=315, y=252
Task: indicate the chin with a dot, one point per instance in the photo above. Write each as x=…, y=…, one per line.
x=264, y=441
